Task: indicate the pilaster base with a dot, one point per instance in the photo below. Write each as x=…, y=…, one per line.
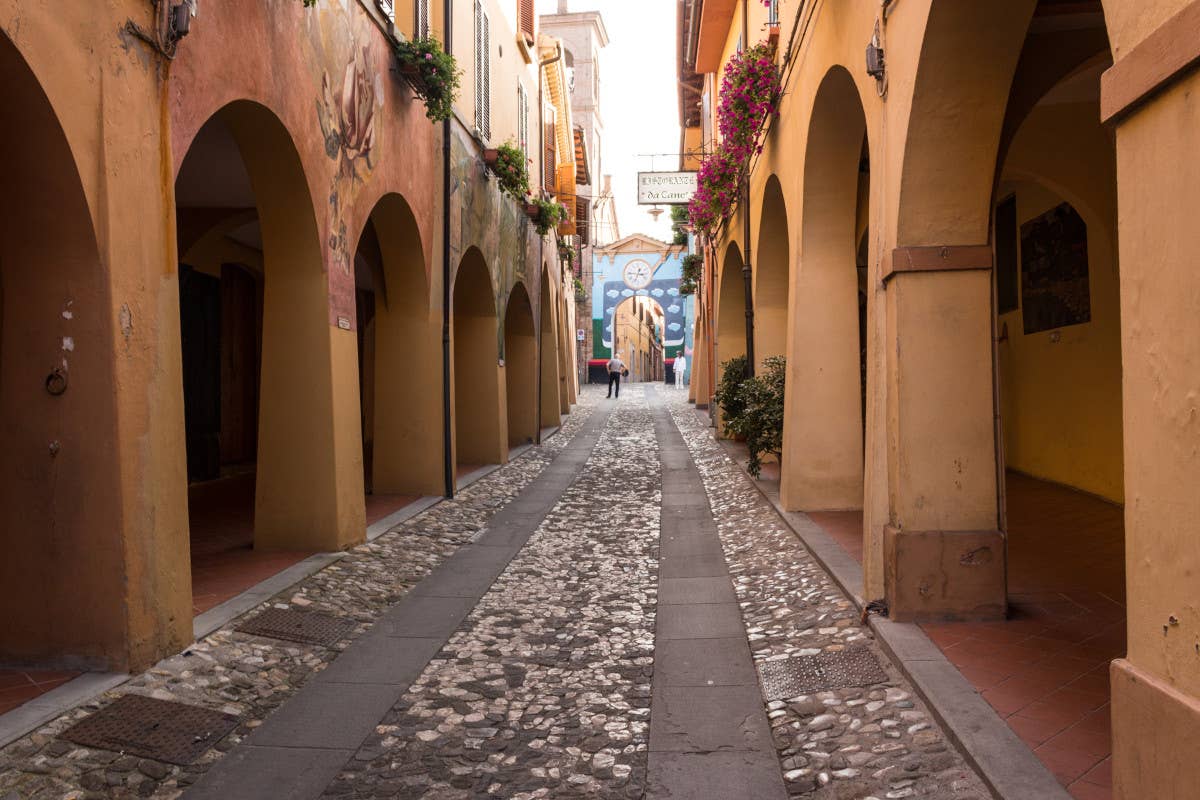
x=944, y=576
x=1154, y=737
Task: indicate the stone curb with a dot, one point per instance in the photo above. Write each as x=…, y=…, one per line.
x=1006, y=764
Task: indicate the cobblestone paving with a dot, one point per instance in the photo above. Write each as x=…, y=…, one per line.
x=853, y=743
x=544, y=690
x=250, y=676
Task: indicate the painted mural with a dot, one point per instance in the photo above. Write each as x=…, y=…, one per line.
x=349, y=112
x=618, y=276
x=497, y=225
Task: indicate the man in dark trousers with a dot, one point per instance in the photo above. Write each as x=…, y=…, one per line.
x=615, y=368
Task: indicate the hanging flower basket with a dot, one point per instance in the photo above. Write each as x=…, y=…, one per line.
x=508, y=163
x=749, y=97
x=432, y=73
x=545, y=214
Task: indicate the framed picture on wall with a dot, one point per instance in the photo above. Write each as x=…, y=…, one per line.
x=1055, y=291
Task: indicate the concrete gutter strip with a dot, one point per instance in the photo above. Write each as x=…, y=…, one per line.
x=1006, y=764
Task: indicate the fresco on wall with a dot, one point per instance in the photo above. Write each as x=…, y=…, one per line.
x=1055, y=291
x=484, y=218
x=349, y=112
x=616, y=277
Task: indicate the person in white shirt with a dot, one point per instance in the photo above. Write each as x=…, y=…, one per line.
x=680, y=369
x=615, y=367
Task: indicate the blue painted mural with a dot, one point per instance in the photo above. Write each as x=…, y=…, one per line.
x=618, y=276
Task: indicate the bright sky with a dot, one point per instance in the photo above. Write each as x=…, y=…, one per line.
x=638, y=99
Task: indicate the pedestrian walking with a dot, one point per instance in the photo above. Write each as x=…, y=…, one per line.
x=616, y=368
x=680, y=369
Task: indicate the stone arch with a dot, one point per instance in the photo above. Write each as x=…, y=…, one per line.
x=823, y=440
x=551, y=382
x=402, y=428
x=647, y=362
x=520, y=367
x=307, y=469
x=63, y=578
x=731, y=309
x=772, y=274
x=479, y=436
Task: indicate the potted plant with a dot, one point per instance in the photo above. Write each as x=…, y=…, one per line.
x=508, y=163
x=432, y=73
x=545, y=214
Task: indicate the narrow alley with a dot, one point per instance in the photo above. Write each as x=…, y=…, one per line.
x=617, y=613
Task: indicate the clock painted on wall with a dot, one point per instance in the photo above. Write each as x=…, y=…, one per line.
x=636, y=274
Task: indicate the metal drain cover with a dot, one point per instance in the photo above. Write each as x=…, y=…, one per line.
x=307, y=627
x=789, y=677
x=176, y=733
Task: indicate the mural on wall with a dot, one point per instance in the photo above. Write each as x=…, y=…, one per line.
x=1055, y=290
x=495, y=224
x=618, y=276
x=349, y=112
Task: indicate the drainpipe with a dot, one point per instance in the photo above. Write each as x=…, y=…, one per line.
x=447, y=434
x=746, y=274
x=542, y=239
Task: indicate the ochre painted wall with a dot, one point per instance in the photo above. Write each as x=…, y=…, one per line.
x=1061, y=390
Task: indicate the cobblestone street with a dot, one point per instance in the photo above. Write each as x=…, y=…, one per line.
x=567, y=626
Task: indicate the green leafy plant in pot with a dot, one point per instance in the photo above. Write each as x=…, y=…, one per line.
x=432, y=73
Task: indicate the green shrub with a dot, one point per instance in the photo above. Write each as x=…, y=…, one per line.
x=549, y=214
x=689, y=281
x=729, y=392
x=753, y=407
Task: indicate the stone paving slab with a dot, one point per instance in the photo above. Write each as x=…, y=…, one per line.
x=334, y=716
x=273, y=772
x=702, y=719
x=741, y=774
x=704, y=662
x=706, y=621
x=686, y=591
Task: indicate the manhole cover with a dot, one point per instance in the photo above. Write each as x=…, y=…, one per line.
x=176, y=733
x=789, y=677
x=308, y=627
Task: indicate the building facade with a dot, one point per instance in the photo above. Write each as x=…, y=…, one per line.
x=971, y=247
x=639, y=268
x=238, y=285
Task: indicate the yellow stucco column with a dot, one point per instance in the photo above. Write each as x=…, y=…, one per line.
x=1156, y=688
x=944, y=557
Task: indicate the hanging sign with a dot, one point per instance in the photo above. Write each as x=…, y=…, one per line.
x=666, y=188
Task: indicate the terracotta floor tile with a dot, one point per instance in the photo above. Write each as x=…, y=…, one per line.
x=1033, y=732
x=982, y=678
x=1098, y=721
x=1067, y=765
x=10, y=679
x=1094, y=743
x=1009, y=698
x=1056, y=713
x=1082, y=790
x=1101, y=774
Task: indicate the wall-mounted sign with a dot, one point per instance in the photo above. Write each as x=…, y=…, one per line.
x=666, y=188
x=579, y=335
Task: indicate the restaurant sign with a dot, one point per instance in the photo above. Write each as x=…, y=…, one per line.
x=666, y=188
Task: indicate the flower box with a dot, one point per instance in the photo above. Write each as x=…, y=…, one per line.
x=490, y=156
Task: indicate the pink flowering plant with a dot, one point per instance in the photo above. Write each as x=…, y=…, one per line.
x=433, y=74
x=511, y=170
x=749, y=96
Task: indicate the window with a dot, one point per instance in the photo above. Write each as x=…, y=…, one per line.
x=483, y=73
x=523, y=119
x=773, y=12
x=388, y=9
x=420, y=18
x=549, y=160
x=525, y=20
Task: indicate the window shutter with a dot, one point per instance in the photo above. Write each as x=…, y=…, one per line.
x=483, y=74
x=420, y=19
x=523, y=118
x=387, y=8
x=525, y=20
x=582, y=220
x=487, y=78
x=549, y=162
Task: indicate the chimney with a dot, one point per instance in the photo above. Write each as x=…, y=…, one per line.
x=608, y=184
x=562, y=6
